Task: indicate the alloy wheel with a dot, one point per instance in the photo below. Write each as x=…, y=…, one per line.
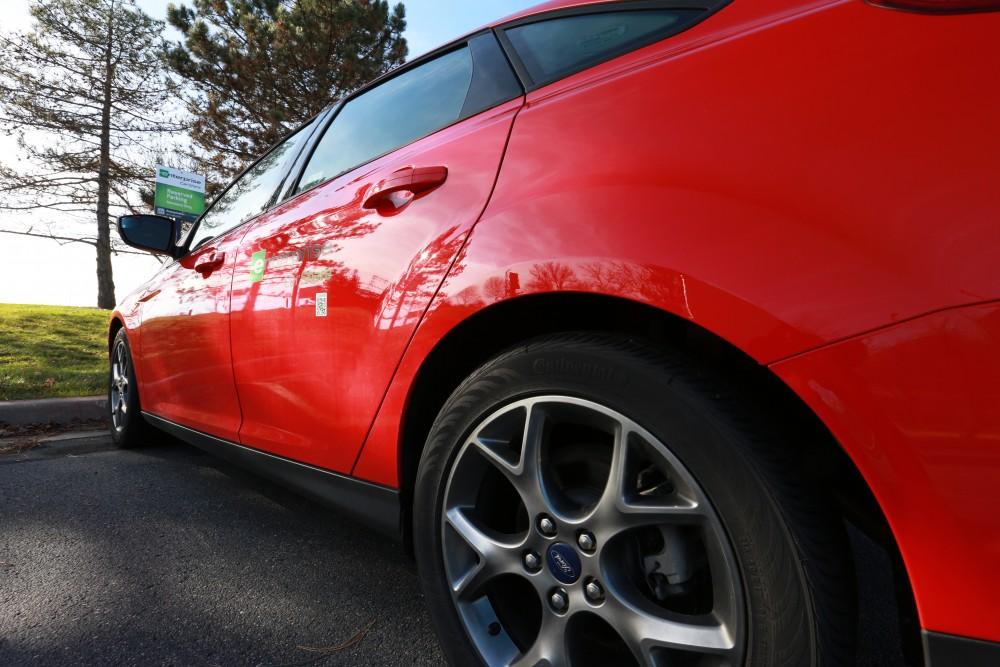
x=573, y=536
x=119, y=386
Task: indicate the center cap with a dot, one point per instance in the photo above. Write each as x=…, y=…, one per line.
x=564, y=563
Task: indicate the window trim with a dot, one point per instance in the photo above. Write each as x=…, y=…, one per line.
x=321, y=130
x=287, y=189
x=707, y=7
x=185, y=249
x=291, y=180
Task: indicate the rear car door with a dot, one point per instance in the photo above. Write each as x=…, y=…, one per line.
x=355, y=253
x=186, y=360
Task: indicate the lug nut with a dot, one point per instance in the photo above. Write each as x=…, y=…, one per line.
x=586, y=541
x=547, y=526
x=532, y=561
x=593, y=591
x=559, y=600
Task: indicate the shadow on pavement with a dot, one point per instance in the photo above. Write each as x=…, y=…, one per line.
x=166, y=556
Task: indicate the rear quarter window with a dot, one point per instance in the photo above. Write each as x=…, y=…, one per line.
x=550, y=49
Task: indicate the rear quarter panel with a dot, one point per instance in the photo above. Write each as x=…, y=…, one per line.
x=783, y=176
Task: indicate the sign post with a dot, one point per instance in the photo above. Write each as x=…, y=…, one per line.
x=179, y=194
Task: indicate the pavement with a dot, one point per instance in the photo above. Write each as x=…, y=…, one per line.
x=166, y=556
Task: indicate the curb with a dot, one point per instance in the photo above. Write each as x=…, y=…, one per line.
x=52, y=410
x=21, y=449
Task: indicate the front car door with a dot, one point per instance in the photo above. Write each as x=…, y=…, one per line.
x=186, y=360
x=355, y=254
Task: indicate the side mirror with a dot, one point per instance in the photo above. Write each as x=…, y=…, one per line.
x=149, y=232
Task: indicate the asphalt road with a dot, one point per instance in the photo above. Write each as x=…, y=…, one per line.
x=166, y=556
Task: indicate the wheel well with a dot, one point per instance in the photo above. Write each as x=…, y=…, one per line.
x=487, y=333
x=113, y=328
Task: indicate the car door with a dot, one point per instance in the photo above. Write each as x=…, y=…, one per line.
x=186, y=360
x=329, y=286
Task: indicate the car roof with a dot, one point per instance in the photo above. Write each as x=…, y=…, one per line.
x=543, y=7
x=530, y=11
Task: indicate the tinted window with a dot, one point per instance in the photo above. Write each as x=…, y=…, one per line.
x=493, y=81
x=556, y=47
x=402, y=109
x=254, y=190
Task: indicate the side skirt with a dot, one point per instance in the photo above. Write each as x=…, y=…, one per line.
x=370, y=504
x=943, y=650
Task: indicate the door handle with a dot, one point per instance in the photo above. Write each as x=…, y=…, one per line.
x=209, y=262
x=147, y=296
x=399, y=189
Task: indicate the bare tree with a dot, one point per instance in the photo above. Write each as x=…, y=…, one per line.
x=85, y=93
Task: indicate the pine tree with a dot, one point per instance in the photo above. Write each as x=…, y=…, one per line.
x=84, y=91
x=258, y=68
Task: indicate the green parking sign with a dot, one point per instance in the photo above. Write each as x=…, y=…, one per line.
x=179, y=194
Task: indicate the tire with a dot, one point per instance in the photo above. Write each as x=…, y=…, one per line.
x=128, y=428
x=763, y=571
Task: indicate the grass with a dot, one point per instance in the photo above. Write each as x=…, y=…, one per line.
x=52, y=351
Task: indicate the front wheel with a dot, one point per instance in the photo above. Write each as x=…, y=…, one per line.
x=587, y=500
x=128, y=428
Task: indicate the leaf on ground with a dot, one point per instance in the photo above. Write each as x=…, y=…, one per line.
x=348, y=643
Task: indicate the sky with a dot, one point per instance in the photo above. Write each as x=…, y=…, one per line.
x=42, y=271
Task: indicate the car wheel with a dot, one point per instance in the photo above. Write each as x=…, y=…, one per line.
x=588, y=500
x=128, y=428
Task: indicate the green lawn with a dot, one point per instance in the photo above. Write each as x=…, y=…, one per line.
x=50, y=351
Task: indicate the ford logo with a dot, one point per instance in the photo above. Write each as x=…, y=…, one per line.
x=564, y=563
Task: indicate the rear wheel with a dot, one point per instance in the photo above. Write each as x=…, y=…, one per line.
x=586, y=500
x=128, y=428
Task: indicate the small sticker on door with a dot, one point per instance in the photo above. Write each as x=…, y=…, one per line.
x=321, y=304
x=258, y=264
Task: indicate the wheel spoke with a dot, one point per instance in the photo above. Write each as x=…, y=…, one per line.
x=470, y=586
x=621, y=509
x=494, y=555
x=525, y=474
x=549, y=649
x=625, y=516
x=645, y=632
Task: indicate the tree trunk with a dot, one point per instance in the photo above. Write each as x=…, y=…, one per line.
x=105, y=278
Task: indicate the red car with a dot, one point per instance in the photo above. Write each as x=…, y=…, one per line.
x=617, y=315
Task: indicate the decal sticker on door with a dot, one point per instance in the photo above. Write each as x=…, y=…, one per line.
x=321, y=304
x=258, y=264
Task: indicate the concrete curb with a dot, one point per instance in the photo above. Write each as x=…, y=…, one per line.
x=52, y=410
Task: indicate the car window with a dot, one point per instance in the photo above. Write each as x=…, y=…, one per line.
x=404, y=108
x=254, y=190
x=554, y=48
